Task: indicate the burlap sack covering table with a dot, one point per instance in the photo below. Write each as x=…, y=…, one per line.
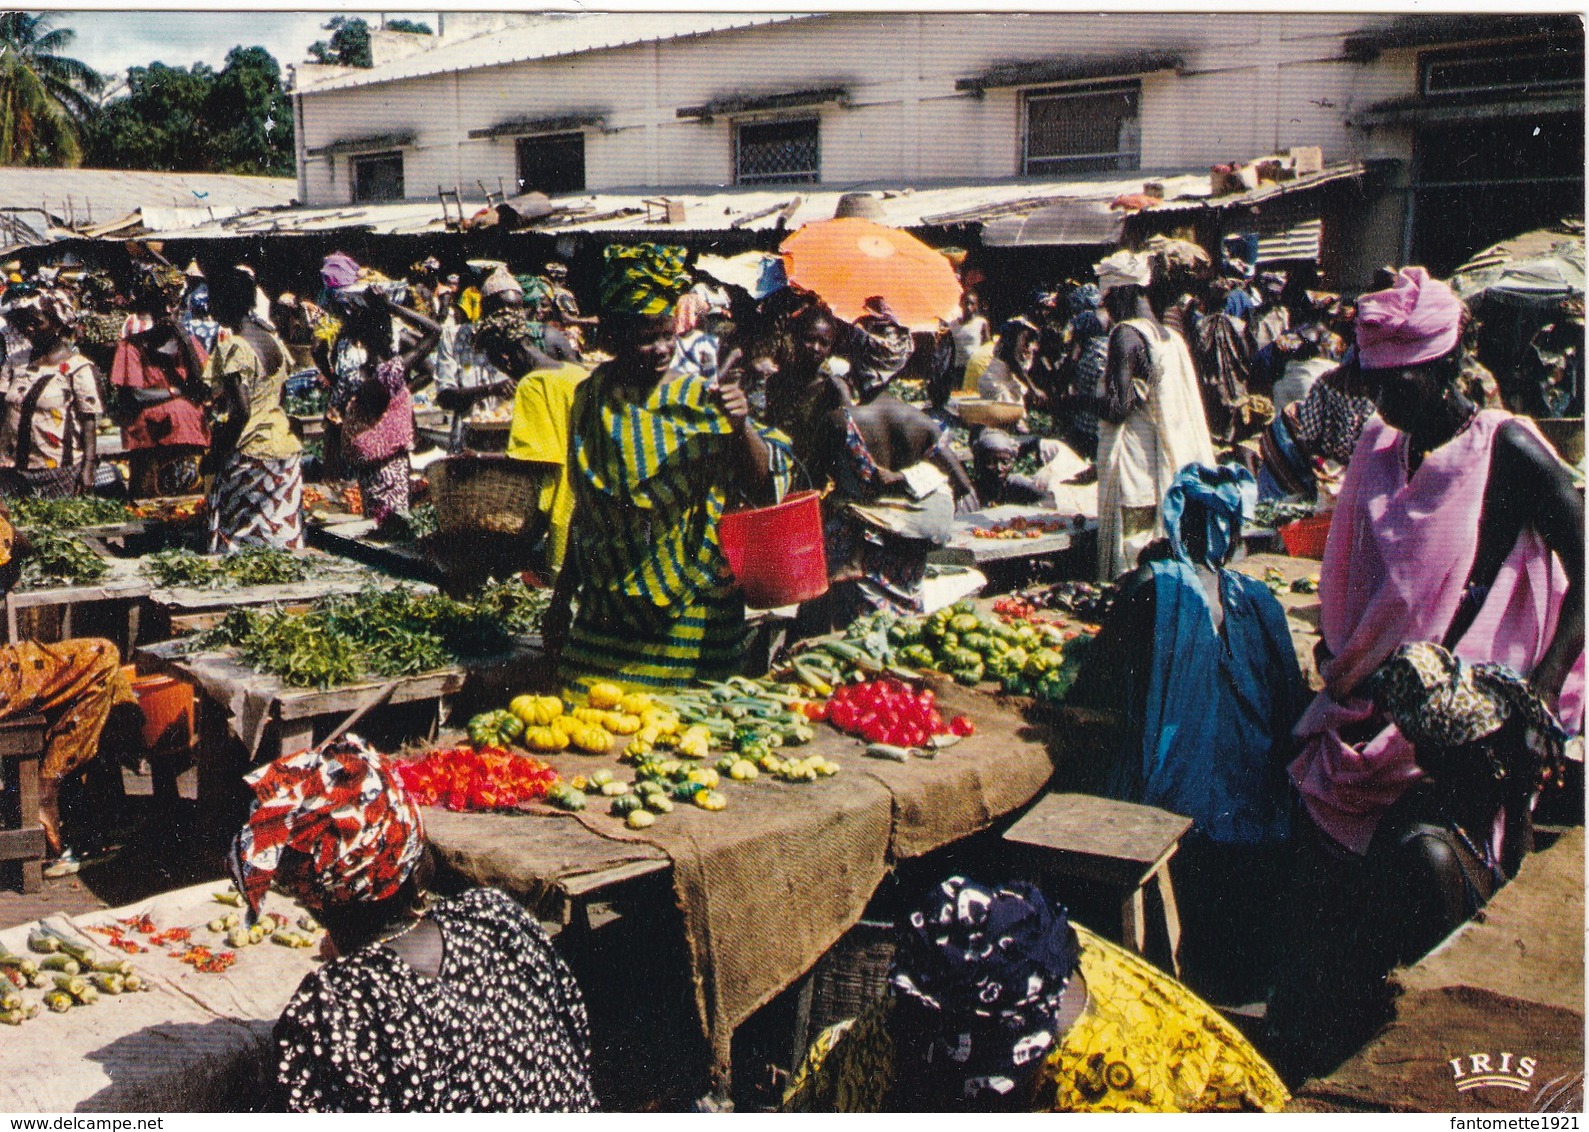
x=769, y=884
x=192, y=1043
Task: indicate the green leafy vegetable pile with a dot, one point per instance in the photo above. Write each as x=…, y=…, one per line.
x=253, y=566
x=64, y=514
x=60, y=560
x=377, y=634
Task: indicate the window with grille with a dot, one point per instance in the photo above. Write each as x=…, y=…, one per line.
x=378, y=177
x=1518, y=68
x=1083, y=129
x=775, y=153
x=553, y=164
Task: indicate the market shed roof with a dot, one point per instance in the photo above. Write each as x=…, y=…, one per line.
x=548, y=40
x=697, y=209
x=83, y=197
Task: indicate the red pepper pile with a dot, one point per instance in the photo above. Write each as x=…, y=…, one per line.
x=888, y=711
x=466, y=778
x=204, y=960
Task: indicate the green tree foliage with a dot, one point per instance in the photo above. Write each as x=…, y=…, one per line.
x=349, y=45
x=197, y=119
x=45, y=96
x=413, y=27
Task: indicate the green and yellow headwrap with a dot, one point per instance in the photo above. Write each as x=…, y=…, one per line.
x=501, y=328
x=643, y=279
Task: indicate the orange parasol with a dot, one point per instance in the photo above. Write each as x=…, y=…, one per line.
x=846, y=261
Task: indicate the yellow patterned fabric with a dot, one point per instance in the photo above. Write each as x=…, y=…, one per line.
x=1143, y=1044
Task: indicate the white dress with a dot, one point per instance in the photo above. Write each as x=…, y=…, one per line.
x=1140, y=457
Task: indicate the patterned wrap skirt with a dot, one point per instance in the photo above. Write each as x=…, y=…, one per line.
x=257, y=502
x=384, y=487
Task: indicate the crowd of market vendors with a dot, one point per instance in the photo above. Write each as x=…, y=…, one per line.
x=1335, y=833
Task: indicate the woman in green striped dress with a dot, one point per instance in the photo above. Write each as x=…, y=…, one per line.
x=645, y=597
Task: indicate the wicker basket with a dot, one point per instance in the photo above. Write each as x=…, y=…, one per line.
x=851, y=976
x=484, y=492
x=993, y=414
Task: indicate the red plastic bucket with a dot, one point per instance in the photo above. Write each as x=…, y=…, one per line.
x=776, y=553
x=1306, y=538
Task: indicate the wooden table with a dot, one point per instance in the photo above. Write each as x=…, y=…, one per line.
x=249, y=717
x=1302, y=610
x=350, y=539
x=186, y=606
x=22, y=838
x=766, y=888
x=124, y=584
x=1115, y=843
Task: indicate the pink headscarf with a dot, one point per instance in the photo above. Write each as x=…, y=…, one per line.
x=339, y=270
x=1416, y=320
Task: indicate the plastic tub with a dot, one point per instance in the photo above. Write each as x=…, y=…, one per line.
x=777, y=553
x=167, y=705
x=1306, y=538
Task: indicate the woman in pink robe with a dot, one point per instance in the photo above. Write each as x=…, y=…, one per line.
x=1455, y=525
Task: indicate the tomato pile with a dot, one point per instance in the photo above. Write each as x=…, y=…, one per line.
x=889, y=711
x=1015, y=609
x=464, y=778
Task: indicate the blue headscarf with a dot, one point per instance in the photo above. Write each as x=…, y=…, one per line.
x=1225, y=492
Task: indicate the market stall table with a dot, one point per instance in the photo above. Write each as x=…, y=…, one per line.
x=194, y=1042
x=1509, y=980
x=1000, y=549
x=269, y=718
x=330, y=575
x=767, y=886
x=349, y=538
x=122, y=587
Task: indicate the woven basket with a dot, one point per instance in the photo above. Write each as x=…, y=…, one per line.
x=484, y=492
x=851, y=976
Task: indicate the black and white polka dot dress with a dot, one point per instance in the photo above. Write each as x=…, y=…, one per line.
x=503, y=1029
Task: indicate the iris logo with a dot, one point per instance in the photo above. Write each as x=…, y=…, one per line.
x=1486, y=1071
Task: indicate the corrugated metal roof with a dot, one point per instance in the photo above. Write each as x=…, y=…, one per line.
x=759, y=209
x=98, y=196
x=1267, y=190
x=572, y=36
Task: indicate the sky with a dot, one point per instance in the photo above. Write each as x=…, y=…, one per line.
x=112, y=41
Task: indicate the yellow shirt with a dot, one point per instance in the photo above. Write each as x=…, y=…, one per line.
x=977, y=365
x=539, y=432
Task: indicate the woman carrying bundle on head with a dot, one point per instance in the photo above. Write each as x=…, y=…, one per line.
x=371, y=391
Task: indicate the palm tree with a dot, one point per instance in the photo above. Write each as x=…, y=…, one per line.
x=45, y=96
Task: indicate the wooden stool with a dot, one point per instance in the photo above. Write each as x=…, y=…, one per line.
x=21, y=754
x=1114, y=843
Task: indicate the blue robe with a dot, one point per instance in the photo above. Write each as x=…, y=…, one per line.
x=1208, y=736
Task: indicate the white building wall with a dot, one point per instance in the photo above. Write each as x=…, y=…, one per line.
x=1253, y=83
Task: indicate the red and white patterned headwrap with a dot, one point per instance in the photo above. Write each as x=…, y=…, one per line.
x=359, y=834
